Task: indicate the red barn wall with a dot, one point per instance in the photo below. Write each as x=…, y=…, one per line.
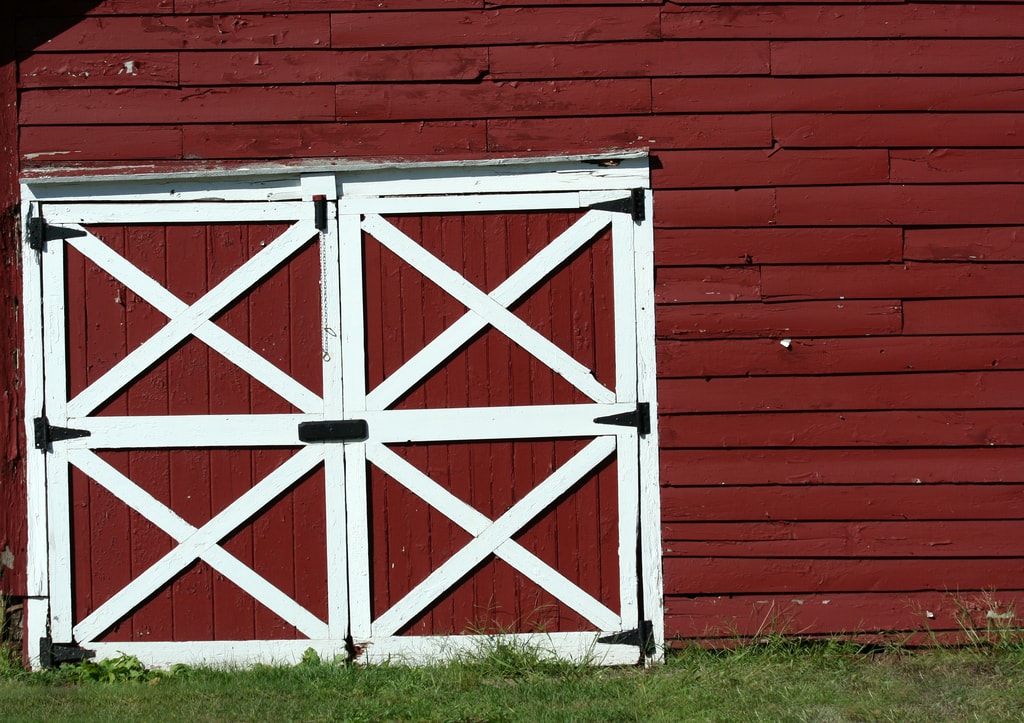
x=839, y=249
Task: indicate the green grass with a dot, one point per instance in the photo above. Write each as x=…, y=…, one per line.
x=781, y=680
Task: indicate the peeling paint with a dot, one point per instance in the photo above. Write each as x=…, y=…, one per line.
x=7, y=558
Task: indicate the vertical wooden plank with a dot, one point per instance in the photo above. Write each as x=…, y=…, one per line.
x=233, y=610
x=190, y=392
x=37, y=582
x=147, y=248
x=351, y=352
x=650, y=491
x=58, y=495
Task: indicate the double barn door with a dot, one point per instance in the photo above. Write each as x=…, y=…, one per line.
x=378, y=427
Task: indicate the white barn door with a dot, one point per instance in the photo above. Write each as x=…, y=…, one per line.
x=375, y=422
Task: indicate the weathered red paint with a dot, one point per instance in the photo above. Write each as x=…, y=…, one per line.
x=797, y=319
x=707, y=575
x=1002, y=243
x=430, y=101
x=868, y=93
x=787, y=21
x=571, y=135
x=755, y=616
x=969, y=428
x=768, y=467
x=831, y=356
x=957, y=539
x=958, y=165
x=13, y=522
x=940, y=390
x=885, y=130
x=770, y=167
x=628, y=60
x=331, y=66
x=848, y=502
x=334, y=140
x=494, y=27
x=909, y=280
x=964, y=316
x=777, y=245
x=897, y=57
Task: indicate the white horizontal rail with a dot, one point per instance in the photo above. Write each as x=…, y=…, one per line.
x=177, y=212
x=574, y=647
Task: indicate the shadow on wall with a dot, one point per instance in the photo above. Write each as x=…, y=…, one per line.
x=49, y=18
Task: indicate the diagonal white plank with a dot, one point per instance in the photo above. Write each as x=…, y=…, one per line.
x=218, y=558
x=474, y=522
x=187, y=322
x=216, y=338
x=507, y=293
x=198, y=543
x=487, y=308
x=487, y=541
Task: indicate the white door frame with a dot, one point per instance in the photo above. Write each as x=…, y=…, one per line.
x=363, y=190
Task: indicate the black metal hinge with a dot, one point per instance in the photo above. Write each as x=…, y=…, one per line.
x=47, y=433
x=633, y=204
x=642, y=637
x=39, y=232
x=639, y=418
x=336, y=430
x=320, y=212
x=52, y=654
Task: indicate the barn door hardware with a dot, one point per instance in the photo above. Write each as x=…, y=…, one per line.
x=639, y=418
x=45, y=433
x=52, y=654
x=335, y=430
x=320, y=212
x=633, y=204
x=642, y=637
x=39, y=232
